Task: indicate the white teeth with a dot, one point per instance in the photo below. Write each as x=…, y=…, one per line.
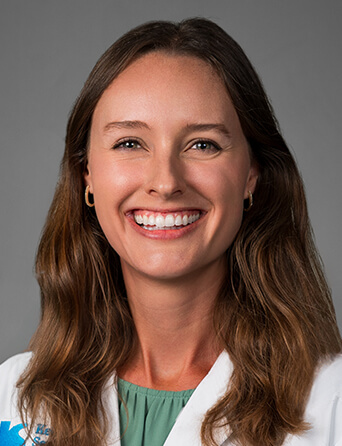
x=153, y=221
x=139, y=219
x=178, y=221
x=160, y=221
x=169, y=221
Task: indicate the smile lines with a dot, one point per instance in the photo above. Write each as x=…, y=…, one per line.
x=176, y=220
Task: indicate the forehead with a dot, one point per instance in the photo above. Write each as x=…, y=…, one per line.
x=159, y=83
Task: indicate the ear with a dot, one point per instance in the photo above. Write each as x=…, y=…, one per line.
x=87, y=178
x=252, y=179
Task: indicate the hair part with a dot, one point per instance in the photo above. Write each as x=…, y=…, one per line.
x=274, y=314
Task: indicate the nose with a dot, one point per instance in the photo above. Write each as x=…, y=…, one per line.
x=165, y=177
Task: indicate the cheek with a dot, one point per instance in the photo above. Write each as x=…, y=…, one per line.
x=113, y=180
x=222, y=184
x=113, y=184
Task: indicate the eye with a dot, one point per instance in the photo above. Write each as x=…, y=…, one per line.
x=127, y=144
x=205, y=146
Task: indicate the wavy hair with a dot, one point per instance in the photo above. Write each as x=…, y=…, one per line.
x=273, y=315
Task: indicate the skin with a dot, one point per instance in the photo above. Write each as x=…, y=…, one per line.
x=160, y=104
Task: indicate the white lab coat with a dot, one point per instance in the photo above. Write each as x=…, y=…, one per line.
x=323, y=411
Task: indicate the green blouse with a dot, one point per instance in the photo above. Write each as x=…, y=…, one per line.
x=151, y=413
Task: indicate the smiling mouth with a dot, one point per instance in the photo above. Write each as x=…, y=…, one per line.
x=153, y=221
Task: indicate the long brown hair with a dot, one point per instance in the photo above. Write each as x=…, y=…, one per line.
x=274, y=314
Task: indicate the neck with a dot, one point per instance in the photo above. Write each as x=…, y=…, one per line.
x=176, y=343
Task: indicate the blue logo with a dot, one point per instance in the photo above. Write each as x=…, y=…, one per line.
x=10, y=437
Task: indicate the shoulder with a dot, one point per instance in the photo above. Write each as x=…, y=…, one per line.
x=328, y=380
x=15, y=363
x=12, y=368
x=324, y=407
x=10, y=372
x=326, y=392
x=12, y=429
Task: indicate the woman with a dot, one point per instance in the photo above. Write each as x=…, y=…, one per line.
x=183, y=302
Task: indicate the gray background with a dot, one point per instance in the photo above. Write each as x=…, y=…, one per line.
x=47, y=50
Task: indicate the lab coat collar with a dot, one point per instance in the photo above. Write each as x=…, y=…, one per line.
x=187, y=428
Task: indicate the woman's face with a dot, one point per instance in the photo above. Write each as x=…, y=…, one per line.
x=169, y=167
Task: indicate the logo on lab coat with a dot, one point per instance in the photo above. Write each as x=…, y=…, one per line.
x=9, y=436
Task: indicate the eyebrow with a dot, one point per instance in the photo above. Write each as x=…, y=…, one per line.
x=189, y=127
x=125, y=125
x=206, y=127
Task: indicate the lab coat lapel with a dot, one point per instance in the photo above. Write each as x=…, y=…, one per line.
x=186, y=430
x=111, y=403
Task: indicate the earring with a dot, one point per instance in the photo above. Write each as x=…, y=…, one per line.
x=250, y=199
x=86, y=197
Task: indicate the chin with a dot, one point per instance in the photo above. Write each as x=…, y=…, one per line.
x=165, y=274
x=162, y=270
